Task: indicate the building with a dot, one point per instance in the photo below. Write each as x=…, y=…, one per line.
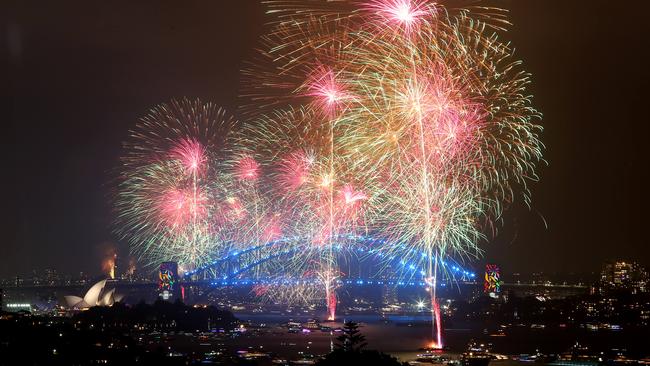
x=97, y=295
x=16, y=307
x=82, y=279
x=389, y=295
x=51, y=277
x=622, y=275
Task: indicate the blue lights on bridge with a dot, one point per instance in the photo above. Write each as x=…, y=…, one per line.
x=358, y=282
x=411, y=273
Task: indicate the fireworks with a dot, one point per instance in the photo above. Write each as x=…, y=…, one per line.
x=424, y=104
x=289, y=291
x=170, y=195
x=404, y=15
x=109, y=261
x=316, y=188
x=400, y=118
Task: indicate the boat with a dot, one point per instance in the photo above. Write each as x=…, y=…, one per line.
x=538, y=357
x=579, y=355
x=433, y=358
x=475, y=359
x=476, y=355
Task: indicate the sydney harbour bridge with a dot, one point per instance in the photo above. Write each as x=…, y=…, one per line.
x=360, y=260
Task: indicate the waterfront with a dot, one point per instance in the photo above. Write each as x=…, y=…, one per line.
x=175, y=333
x=403, y=336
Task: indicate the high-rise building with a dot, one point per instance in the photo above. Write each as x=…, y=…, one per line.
x=82, y=279
x=51, y=277
x=622, y=275
x=389, y=295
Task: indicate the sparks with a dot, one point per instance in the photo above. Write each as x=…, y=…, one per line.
x=329, y=92
x=405, y=14
x=191, y=154
x=247, y=168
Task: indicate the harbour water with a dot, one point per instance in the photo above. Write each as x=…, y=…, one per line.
x=404, y=335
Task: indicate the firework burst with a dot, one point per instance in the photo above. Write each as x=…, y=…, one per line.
x=168, y=194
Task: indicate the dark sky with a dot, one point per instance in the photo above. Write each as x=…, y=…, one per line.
x=78, y=74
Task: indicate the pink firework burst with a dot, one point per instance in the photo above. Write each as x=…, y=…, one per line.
x=234, y=209
x=457, y=130
x=191, y=154
x=247, y=168
x=402, y=14
x=294, y=170
x=179, y=207
x=329, y=92
x=349, y=206
x=451, y=120
x=350, y=196
x=272, y=231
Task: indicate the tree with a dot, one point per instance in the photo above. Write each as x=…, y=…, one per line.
x=351, y=340
x=374, y=358
x=349, y=351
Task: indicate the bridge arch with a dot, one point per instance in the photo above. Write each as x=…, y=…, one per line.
x=360, y=257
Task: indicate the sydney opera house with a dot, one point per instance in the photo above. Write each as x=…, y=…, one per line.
x=97, y=295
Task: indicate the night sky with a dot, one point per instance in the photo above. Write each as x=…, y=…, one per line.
x=78, y=75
